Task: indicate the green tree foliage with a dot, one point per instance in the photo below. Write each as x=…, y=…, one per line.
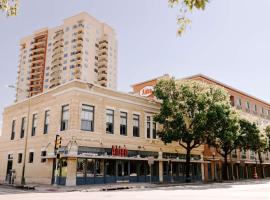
x=9, y=7
x=185, y=7
x=184, y=113
x=224, y=131
x=253, y=139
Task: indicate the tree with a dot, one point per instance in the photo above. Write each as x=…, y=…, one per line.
x=9, y=7
x=224, y=131
x=184, y=113
x=186, y=6
x=252, y=139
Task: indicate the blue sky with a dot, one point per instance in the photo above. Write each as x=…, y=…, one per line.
x=229, y=41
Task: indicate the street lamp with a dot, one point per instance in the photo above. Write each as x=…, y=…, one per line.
x=255, y=175
x=27, y=130
x=213, y=150
x=213, y=155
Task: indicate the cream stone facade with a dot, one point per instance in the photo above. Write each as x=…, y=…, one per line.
x=81, y=48
x=87, y=156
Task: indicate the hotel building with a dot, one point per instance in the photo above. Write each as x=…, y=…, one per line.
x=81, y=48
x=241, y=163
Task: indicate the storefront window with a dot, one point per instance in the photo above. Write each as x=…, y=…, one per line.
x=165, y=168
x=90, y=166
x=81, y=167
x=99, y=168
x=110, y=168
x=133, y=168
x=143, y=168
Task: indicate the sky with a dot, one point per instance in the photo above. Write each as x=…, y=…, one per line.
x=228, y=41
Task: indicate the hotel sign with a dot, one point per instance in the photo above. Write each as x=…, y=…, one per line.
x=146, y=91
x=119, y=151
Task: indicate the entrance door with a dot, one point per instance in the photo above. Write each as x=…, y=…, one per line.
x=9, y=168
x=122, y=171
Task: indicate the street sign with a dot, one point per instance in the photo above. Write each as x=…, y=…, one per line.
x=151, y=160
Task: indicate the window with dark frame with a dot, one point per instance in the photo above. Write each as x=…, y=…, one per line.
x=13, y=130
x=23, y=126
x=148, y=127
x=46, y=122
x=34, y=125
x=123, y=123
x=20, y=157
x=154, y=130
x=136, y=125
x=43, y=154
x=109, y=121
x=64, y=117
x=31, y=157
x=87, y=118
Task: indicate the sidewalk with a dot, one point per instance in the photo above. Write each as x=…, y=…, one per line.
x=137, y=186
x=125, y=186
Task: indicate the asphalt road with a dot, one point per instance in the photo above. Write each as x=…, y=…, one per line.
x=220, y=191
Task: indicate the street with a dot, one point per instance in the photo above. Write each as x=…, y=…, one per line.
x=256, y=190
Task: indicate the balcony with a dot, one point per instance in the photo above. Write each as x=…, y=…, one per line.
x=102, y=76
x=39, y=42
x=102, y=67
x=38, y=48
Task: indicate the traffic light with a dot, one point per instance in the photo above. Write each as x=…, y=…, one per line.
x=58, y=141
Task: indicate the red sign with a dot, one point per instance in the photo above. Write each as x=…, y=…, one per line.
x=119, y=151
x=146, y=91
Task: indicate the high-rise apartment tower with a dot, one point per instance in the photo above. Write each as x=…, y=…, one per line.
x=81, y=48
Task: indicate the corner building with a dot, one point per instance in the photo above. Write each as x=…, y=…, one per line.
x=107, y=137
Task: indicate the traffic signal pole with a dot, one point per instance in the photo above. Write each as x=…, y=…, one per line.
x=58, y=141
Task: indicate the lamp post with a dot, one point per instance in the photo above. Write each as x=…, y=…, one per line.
x=255, y=175
x=213, y=155
x=27, y=130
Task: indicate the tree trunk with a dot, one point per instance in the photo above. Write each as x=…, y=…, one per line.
x=261, y=166
x=188, y=178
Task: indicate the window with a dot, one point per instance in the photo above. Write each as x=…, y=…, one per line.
x=23, y=126
x=262, y=110
x=87, y=118
x=109, y=121
x=46, y=122
x=34, y=125
x=123, y=123
x=13, y=130
x=43, y=154
x=31, y=157
x=64, y=117
x=20, y=158
x=148, y=127
x=239, y=102
x=151, y=128
x=255, y=108
x=154, y=130
x=247, y=105
x=136, y=124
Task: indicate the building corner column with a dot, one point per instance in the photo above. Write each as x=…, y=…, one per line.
x=71, y=172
